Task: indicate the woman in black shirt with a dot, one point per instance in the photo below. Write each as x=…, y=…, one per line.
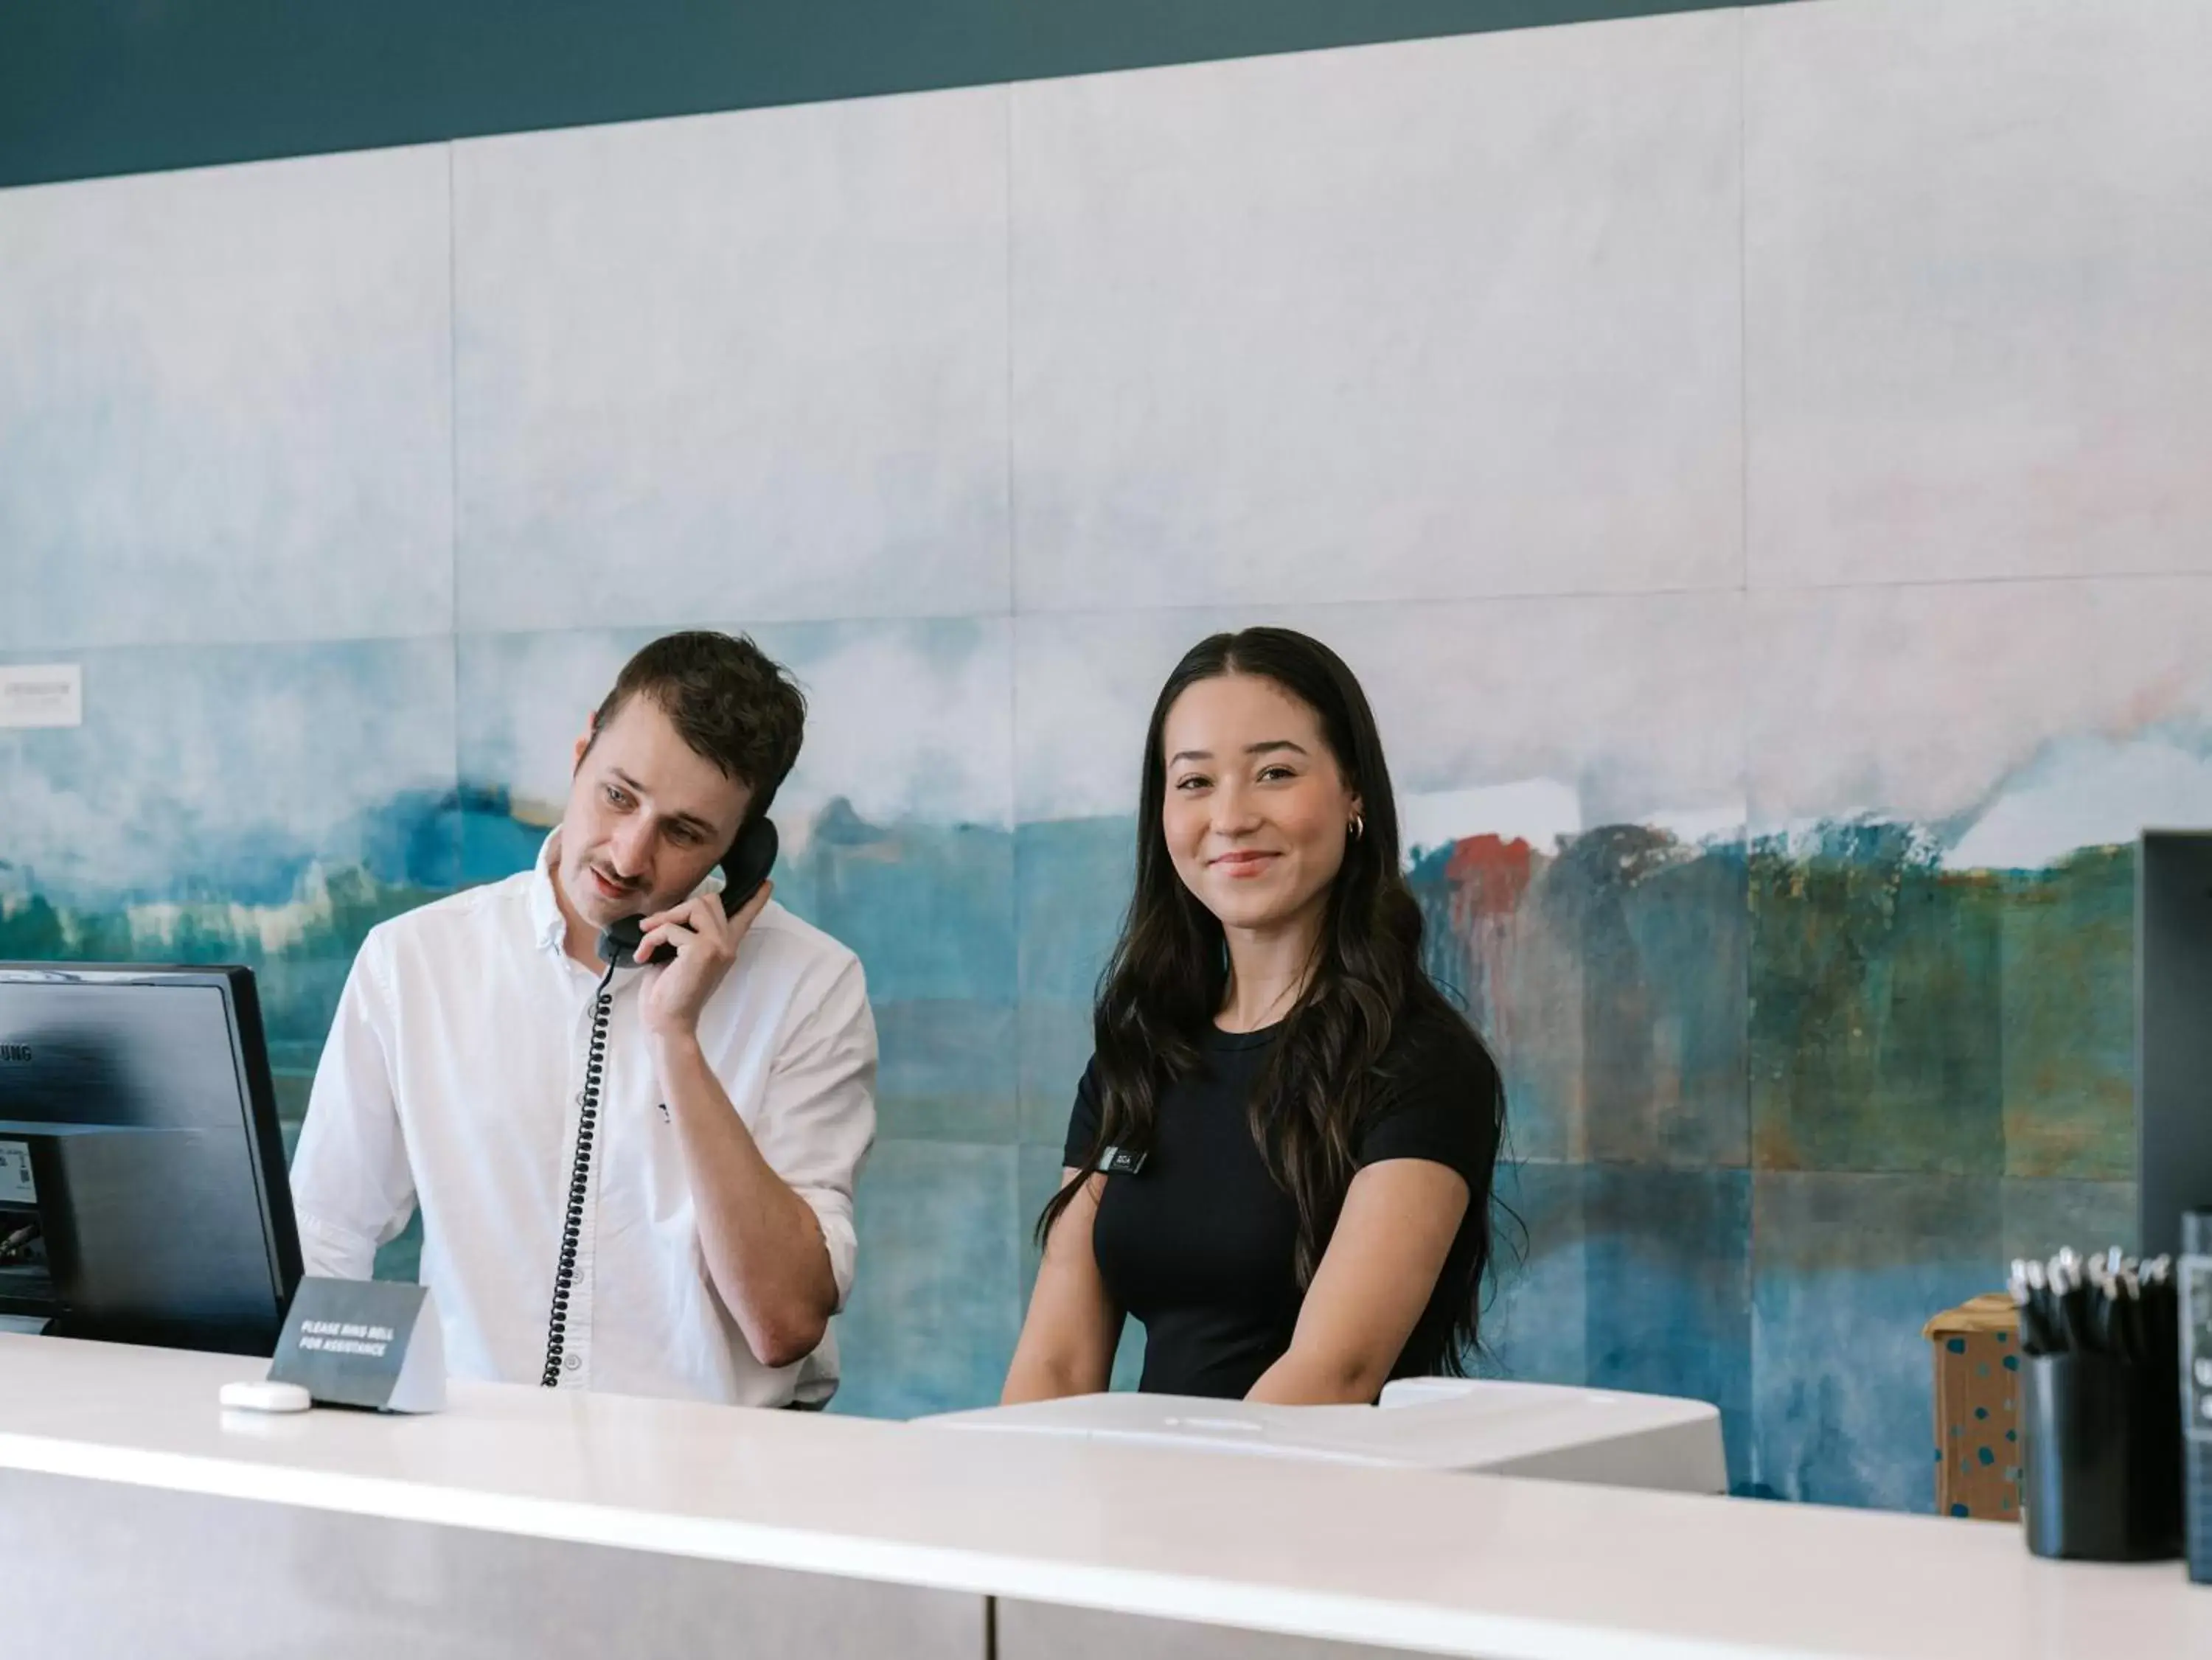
x=1279, y=1159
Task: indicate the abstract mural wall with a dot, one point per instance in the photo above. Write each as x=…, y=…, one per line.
x=1754, y=460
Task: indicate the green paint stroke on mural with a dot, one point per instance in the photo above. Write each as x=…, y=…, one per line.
x=300, y=950
x=2069, y=1018
x=1907, y=1017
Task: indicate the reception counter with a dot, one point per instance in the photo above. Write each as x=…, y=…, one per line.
x=136, y=1516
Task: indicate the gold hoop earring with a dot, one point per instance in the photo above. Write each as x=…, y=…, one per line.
x=1358, y=827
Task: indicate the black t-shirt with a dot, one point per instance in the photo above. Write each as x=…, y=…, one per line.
x=1200, y=1244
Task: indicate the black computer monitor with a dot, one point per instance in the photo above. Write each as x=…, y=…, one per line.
x=143, y=1191
x=2173, y=1008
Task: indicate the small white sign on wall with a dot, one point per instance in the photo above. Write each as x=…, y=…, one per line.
x=41, y=694
x=17, y=1186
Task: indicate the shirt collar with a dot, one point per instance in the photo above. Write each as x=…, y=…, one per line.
x=545, y=919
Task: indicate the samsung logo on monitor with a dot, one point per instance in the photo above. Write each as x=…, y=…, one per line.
x=14, y=1054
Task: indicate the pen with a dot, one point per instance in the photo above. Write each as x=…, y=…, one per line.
x=2038, y=1294
x=2104, y=1312
x=2128, y=1309
x=2035, y=1333
x=2074, y=1304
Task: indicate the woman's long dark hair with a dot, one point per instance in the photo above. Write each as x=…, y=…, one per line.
x=1325, y=1077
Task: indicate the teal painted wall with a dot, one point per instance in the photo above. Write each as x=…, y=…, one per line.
x=96, y=89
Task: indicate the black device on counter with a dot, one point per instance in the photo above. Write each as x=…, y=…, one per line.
x=2173, y=1034
x=2197, y=1390
x=2173, y=1127
x=142, y=1188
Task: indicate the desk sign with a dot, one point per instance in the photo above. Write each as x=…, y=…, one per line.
x=363, y=1343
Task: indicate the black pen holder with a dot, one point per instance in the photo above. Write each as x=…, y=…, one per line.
x=2102, y=1467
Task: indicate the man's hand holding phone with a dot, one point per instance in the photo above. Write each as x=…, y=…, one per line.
x=705, y=943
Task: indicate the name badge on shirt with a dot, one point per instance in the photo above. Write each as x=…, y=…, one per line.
x=1121, y=1161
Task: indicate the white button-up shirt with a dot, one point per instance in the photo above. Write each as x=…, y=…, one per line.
x=452, y=1080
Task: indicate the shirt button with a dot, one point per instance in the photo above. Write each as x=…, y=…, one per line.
x=571, y=1362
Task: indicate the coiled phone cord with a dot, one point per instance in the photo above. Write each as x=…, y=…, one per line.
x=580, y=1181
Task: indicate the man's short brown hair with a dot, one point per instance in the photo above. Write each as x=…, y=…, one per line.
x=727, y=700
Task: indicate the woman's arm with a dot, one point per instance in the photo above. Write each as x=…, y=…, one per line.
x=1399, y=1218
x=1074, y=1328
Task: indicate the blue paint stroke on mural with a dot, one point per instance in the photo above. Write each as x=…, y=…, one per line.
x=1629, y=982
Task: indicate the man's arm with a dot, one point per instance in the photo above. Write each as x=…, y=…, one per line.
x=352, y=1188
x=774, y=1210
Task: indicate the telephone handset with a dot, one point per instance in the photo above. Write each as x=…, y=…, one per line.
x=745, y=867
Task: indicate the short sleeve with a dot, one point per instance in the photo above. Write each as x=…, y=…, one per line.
x=1441, y=1105
x=1083, y=1121
x=817, y=1118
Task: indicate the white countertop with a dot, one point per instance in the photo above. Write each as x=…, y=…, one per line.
x=1473, y=1564
x=1449, y=1425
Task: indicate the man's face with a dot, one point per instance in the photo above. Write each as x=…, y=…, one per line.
x=647, y=817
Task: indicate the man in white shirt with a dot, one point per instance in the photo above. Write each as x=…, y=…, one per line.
x=695, y=1238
